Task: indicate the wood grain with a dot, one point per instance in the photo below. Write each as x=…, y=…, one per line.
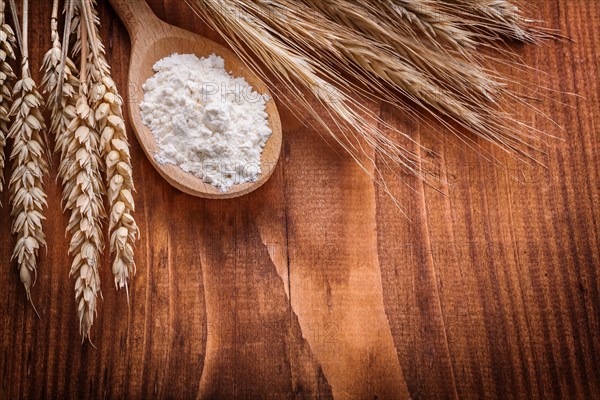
x=316, y=286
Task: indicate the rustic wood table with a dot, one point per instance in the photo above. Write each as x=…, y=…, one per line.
x=316, y=285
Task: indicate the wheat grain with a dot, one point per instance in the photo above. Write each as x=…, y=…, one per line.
x=347, y=49
x=384, y=26
x=493, y=19
x=82, y=196
x=29, y=166
x=107, y=104
x=420, y=18
x=26, y=183
x=61, y=86
x=7, y=42
x=123, y=229
x=51, y=63
x=289, y=37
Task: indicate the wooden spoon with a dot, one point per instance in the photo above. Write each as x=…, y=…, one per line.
x=153, y=39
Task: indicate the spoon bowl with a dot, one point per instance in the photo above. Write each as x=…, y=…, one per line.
x=152, y=40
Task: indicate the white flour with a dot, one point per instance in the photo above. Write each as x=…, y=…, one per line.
x=205, y=121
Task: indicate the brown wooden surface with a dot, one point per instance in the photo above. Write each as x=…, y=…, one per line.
x=316, y=286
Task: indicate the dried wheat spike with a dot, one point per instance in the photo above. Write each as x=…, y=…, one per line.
x=420, y=18
x=107, y=104
x=83, y=191
x=26, y=183
x=494, y=19
x=7, y=42
x=390, y=29
x=82, y=195
x=62, y=99
x=123, y=230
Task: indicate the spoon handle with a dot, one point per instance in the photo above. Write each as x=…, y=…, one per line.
x=135, y=14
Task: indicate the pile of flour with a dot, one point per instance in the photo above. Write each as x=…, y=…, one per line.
x=205, y=121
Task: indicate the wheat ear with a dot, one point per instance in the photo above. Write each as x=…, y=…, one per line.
x=29, y=163
x=82, y=195
x=7, y=42
x=378, y=68
x=107, y=104
x=387, y=25
x=493, y=19
x=420, y=19
x=61, y=86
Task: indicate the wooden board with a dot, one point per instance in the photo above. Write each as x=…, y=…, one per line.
x=316, y=286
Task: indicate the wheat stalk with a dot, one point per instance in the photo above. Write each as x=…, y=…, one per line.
x=347, y=49
x=7, y=42
x=105, y=100
x=29, y=163
x=430, y=80
x=386, y=24
x=307, y=50
x=82, y=196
